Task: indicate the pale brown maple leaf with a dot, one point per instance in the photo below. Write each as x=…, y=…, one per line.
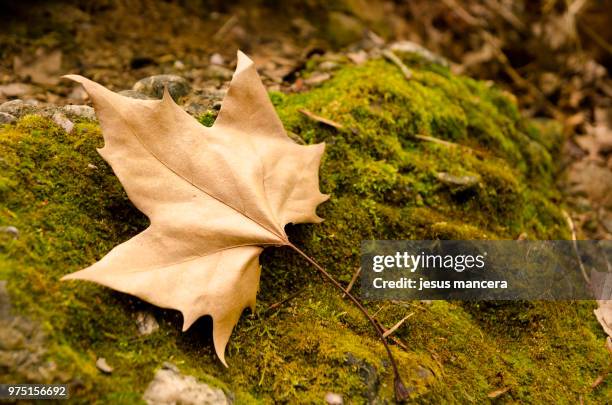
x=215, y=197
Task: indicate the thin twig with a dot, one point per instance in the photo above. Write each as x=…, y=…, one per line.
x=439, y=141
x=350, y=286
x=463, y=13
x=596, y=37
x=285, y=300
x=378, y=311
x=572, y=227
x=397, y=325
x=600, y=378
x=448, y=144
x=392, y=57
x=320, y=119
x=395, y=340
x=226, y=27
x=401, y=392
x=506, y=13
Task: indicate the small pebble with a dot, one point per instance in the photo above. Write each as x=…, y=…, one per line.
x=6, y=118
x=83, y=111
x=216, y=59
x=218, y=72
x=317, y=78
x=92, y=166
x=14, y=107
x=466, y=181
x=11, y=230
x=328, y=65
x=146, y=323
x=103, y=365
x=413, y=47
x=332, y=398
x=63, y=121
x=359, y=57
x=78, y=94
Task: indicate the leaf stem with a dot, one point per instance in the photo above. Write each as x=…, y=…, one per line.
x=401, y=392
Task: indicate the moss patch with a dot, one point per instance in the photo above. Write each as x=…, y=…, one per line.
x=384, y=181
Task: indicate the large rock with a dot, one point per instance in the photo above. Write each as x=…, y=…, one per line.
x=153, y=86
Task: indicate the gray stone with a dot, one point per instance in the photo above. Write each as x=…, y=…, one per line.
x=82, y=111
x=14, y=107
x=6, y=118
x=146, y=323
x=153, y=86
x=60, y=119
x=368, y=375
x=135, y=94
x=204, y=99
x=462, y=182
x=197, y=109
x=218, y=72
x=170, y=387
x=413, y=47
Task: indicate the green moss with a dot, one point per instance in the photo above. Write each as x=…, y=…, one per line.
x=208, y=118
x=71, y=210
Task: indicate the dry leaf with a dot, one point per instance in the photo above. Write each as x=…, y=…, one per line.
x=215, y=198
x=604, y=315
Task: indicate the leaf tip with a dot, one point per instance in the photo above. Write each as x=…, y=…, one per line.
x=74, y=78
x=244, y=62
x=167, y=97
x=188, y=320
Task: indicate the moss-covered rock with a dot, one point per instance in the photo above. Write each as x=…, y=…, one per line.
x=383, y=173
